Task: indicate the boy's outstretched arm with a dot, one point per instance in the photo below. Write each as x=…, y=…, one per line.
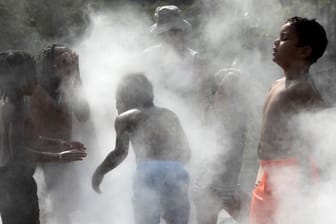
x=112, y=160
x=68, y=154
x=123, y=125
x=37, y=148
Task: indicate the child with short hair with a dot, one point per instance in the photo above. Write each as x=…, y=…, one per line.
x=301, y=43
x=161, y=150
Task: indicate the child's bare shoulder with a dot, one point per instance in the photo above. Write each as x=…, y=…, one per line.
x=129, y=116
x=305, y=93
x=304, y=87
x=278, y=82
x=165, y=111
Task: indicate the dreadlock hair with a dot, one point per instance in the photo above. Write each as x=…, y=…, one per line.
x=46, y=72
x=310, y=33
x=136, y=90
x=17, y=68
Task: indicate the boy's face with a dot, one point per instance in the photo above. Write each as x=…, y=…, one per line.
x=286, y=51
x=173, y=37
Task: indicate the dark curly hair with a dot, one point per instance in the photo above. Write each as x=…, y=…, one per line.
x=310, y=33
x=17, y=68
x=136, y=90
x=46, y=71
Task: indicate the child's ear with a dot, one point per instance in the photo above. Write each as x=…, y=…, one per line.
x=306, y=52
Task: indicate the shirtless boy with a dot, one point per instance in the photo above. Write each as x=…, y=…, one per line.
x=300, y=44
x=54, y=106
x=161, y=150
x=18, y=190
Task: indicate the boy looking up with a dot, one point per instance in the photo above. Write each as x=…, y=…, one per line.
x=161, y=150
x=300, y=44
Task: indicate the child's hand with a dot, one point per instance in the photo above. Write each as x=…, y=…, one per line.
x=67, y=145
x=96, y=180
x=71, y=155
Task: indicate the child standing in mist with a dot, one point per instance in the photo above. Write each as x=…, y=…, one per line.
x=161, y=150
x=230, y=118
x=52, y=107
x=284, y=161
x=18, y=158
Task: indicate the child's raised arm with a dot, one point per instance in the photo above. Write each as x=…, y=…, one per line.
x=115, y=157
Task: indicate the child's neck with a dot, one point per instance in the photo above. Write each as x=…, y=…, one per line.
x=297, y=73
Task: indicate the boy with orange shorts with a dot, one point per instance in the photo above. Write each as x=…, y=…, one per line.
x=283, y=165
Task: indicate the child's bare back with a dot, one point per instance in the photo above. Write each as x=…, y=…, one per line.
x=158, y=135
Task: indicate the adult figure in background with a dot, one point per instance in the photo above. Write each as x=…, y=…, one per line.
x=55, y=102
x=175, y=69
x=230, y=117
x=18, y=157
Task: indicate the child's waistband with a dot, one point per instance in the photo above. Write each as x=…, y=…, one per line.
x=279, y=162
x=159, y=163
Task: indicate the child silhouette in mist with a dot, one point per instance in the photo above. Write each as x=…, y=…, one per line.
x=54, y=106
x=161, y=150
x=18, y=157
x=230, y=117
x=284, y=162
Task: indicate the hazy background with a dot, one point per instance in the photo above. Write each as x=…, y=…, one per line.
x=109, y=35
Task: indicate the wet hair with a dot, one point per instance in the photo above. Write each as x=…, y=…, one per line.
x=17, y=68
x=135, y=90
x=310, y=33
x=46, y=73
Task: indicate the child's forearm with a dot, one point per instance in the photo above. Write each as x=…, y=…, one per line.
x=36, y=156
x=50, y=144
x=112, y=160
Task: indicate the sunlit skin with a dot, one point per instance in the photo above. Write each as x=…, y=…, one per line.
x=288, y=96
x=155, y=133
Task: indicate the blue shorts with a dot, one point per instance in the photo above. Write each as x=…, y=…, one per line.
x=161, y=190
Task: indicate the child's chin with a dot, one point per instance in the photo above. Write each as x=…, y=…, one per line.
x=275, y=59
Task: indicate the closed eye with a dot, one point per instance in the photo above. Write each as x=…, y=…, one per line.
x=283, y=37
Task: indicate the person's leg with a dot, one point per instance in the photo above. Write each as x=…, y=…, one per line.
x=146, y=201
x=175, y=198
x=208, y=205
x=262, y=206
x=20, y=206
x=64, y=189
